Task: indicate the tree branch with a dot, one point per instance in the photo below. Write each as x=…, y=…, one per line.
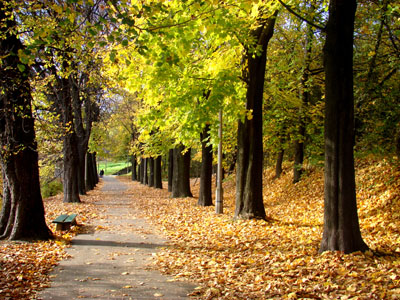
x=301, y=17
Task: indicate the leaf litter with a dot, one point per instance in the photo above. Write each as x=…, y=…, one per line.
x=243, y=259
x=25, y=266
x=278, y=258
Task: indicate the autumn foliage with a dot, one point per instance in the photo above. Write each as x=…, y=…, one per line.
x=279, y=258
x=273, y=259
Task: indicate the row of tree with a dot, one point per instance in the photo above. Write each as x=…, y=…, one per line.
x=212, y=56
x=172, y=66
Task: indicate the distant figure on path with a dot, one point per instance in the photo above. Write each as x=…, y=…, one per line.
x=101, y=173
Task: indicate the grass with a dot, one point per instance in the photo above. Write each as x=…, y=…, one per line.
x=112, y=167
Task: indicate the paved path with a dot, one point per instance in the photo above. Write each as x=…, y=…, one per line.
x=113, y=263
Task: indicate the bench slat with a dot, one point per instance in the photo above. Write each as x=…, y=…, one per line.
x=70, y=219
x=60, y=219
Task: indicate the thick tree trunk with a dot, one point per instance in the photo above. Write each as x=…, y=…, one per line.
x=151, y=171
x=249, y=198
x=71, y=165
x=181, y=173
x=22, y=214
x=71, y=174
x=205, y=198
x=90, y=180
x=341, y=227
x=278, y=166
x=133, y=167
x=81, y=169
x=170, y=168
x=157, y=173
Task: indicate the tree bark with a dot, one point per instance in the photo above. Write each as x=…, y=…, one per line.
x=341, y=226
x=145, y=171
x=170, y=168
x=151, y=171
x=140, y=171
x=133, y=167
x=22, y=214
x=205, y=197
x=95, y=171
x=249, y=198
x=71, y=159
x=157, y=173
x=278, y=166
x=181, y=173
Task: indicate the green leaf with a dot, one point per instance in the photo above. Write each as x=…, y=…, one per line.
x=21, y=68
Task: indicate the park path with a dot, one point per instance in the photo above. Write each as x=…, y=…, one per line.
x=112, y=263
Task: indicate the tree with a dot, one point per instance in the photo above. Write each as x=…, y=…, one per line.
x=157, y=173
x=181, y=173
x=341, y=227
x=22, y=214
x=249, y=198
x=205, y=197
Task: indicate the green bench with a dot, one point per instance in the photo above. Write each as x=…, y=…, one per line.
x=64, y=222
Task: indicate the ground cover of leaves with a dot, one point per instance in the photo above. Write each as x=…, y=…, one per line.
x=278, y=258
x=25, y=267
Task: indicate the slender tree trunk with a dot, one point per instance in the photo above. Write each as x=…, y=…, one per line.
x=398, y=142
x=341, y=227
x=95, y=171
x=22, y=215
x=140, y=171
x=170, y=168
x=205, y=198
x=145, y=171
x=278, y=166
x=249, y=198
x=298, y=156
x=157, y=173
x=181, y=173
x=133, y=167
x=151, y=171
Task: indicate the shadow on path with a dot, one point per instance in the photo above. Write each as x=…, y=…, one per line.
x=82, y=242
x=114, y=262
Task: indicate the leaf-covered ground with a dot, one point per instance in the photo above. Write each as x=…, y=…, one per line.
x=25, y=267
x=278, y=258
x=274, y=259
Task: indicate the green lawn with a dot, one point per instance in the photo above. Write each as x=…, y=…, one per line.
x=112, y=167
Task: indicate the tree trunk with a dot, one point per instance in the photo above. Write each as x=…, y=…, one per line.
x=95, y=171
x=249, y=198
x=90, y=174
x=157, y=173
x=145, y=171
x=181, y=173
x=151, y=171
x=71, y=174
x=278, y=166
x=140, y=171
x=298, y=156
x=170, y=168
x=22, y=214
x=205, y=198
x=71, y=165
x=133, y=167
x=341, y=227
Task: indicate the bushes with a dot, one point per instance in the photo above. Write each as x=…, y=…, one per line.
x=51, y=189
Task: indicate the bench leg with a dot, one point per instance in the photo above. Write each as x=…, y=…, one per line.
x=63, y=226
